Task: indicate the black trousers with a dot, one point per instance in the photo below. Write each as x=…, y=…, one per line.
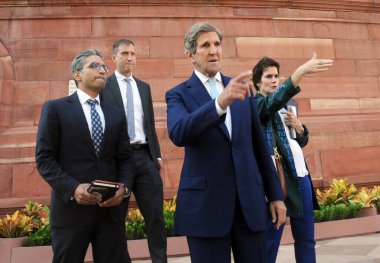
x=107, y=238
x=148, y=191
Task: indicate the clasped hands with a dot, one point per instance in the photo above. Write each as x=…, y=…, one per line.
x=83, y=197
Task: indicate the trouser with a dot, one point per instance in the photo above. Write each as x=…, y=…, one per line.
x=302, y=230
x=148, y=190
x=247, y=246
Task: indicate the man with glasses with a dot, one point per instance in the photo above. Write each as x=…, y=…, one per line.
x=80, y=140
x=134, y=97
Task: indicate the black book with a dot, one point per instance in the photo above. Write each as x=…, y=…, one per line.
x=104, y=188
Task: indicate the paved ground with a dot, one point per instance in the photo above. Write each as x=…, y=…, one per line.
x=358, y=249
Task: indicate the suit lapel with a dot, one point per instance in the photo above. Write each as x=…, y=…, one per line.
x=143, y=91
x=108, y=124
x=223, y=126
x=201, y=96
x=197, y=90
x=115, y=90
x=77, y=111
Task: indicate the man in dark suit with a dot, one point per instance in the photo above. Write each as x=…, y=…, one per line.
x=134, y=97
x=227, y=173
x=80, y=140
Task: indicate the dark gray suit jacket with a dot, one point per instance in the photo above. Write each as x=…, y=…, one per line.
x=111, y=95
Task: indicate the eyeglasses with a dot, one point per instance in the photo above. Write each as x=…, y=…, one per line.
x=97, y=66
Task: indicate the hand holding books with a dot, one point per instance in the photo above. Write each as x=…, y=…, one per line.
x=106, y=189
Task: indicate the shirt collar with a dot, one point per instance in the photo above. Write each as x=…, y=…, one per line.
x=121, y=77
x=204, y=79
x=84, y=97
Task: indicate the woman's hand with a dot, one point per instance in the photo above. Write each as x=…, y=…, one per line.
x=292, y=121
x=312, y=66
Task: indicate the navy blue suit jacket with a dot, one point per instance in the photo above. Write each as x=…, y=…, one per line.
x=65, y=157
x=217, y=169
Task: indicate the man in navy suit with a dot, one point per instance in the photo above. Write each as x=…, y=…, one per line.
x=227, y=174
x=80, y=140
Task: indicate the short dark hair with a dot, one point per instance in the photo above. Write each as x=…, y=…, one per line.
x=258, y=69
x=117, y=44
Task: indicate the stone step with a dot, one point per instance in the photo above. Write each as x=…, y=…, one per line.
x=17, y=145
x=18, y=136
x=19, y=151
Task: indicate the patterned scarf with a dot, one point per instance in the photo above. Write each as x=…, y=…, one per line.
x=283, y=146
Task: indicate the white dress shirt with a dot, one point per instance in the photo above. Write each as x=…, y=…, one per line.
x=138, y=110
x=299, y=159
x=83, y=98
x=219, y=87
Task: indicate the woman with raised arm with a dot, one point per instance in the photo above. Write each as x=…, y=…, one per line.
x=285, y=136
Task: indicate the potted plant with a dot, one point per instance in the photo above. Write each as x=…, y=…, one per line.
x=339, y=192
x=136, y=233
x=13, y=231
x=367, y=198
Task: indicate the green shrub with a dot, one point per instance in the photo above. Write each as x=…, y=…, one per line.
x=135, y=230
x=336, y=212
x=318, y=215
x=378, y=206
x=354, y=210
x=169, y=223
x=42, y=237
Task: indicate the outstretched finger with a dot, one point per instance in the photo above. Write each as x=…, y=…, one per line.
x=246, y=75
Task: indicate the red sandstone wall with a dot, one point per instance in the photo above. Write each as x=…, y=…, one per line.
x=341, y=107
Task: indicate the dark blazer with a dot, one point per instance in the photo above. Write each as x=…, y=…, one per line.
x=111, y=95
x=269, y=106
x=65, y=157
x=217, y=169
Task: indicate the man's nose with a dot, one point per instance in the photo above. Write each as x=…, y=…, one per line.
x=102, y=70
x=213, y=49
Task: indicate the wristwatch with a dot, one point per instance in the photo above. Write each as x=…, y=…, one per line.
x=127, y=192
x=302, y=132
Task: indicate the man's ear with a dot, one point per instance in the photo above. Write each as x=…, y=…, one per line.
x=191, y=57
x=76, y=76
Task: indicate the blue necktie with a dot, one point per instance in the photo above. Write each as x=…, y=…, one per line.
x=130, y=111
x=97, y=128
x=213, y=90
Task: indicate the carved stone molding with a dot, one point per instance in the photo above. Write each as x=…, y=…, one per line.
x=369, y=6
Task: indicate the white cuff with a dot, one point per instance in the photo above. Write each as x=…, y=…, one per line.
x=218, y=108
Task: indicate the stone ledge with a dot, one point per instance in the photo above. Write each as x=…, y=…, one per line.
x=339, y=228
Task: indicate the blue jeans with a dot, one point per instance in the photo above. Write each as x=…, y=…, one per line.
x=302, y=230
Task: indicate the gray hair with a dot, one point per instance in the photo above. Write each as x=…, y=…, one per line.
x=117, y=44
x=80, y=60
x=191, y=37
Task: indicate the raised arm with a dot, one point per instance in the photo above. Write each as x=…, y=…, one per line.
x=312, y=66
